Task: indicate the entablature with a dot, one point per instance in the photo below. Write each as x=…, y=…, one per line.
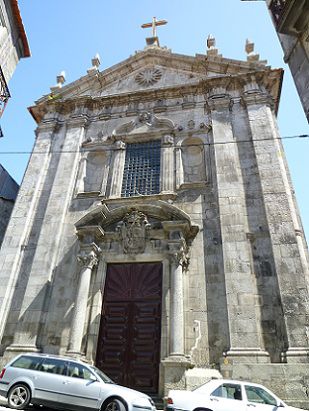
x=268, y=80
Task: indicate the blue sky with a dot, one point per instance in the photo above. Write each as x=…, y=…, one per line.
x=65, y=35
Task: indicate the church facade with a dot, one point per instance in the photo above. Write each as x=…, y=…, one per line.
x=156, y=233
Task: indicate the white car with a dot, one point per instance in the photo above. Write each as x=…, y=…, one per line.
x=226, y=395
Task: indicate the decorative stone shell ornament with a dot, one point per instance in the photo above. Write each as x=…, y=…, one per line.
x=148, y=77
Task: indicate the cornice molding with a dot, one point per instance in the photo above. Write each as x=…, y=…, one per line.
x=269, y=80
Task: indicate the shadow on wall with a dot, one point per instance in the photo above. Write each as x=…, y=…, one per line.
x=27, y=253
x=271, y=316
x=56, y=297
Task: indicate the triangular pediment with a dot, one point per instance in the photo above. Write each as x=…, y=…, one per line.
x=152, y=69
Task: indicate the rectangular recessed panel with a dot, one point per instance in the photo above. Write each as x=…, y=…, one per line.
x=142, y=169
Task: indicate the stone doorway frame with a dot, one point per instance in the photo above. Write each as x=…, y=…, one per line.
x=165, y=238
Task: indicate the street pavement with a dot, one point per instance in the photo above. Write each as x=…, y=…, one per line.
x=4, y=406
x=3, y=403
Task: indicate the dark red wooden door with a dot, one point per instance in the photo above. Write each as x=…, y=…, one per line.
x=128, y=348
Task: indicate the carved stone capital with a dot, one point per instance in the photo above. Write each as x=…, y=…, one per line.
x=167, y=140
x=50, y=125
x=120, y=145
x=178, y=252
x=88, y=256
x=78, y=121
x=257, y=98
x=219, y=101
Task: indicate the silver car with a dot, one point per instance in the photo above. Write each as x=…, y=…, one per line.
x=64, y=383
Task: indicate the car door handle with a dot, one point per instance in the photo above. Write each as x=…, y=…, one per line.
x=214, y=399
x=66, y=382
x=251, y=405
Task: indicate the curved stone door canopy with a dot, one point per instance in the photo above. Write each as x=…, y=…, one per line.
x=137, y=232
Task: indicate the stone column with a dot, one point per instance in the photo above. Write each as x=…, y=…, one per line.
x=241, y=291
x=285, y=233
x=167, y=165
x=176, y=364
x=179, y=167
x=176, y=305
x=117, y=169
x=88, y=259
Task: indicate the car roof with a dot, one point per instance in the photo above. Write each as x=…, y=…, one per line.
x=55, y=356
x=216, y=381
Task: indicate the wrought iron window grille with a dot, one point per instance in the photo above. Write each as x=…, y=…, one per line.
x=4, y=92
x=142, y=169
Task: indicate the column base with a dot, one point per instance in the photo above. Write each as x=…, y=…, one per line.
x=248, y=355
x=174, y=368
x=15, y=349
x=295, y=355
x=75, y=354
x=22, y=348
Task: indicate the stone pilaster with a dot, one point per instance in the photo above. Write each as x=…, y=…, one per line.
x=167, y=165
x=241, y=291
x=284, y=230
x=179, y=167
x=88, y=260
x=117, y=169
x=60, y=189
x=80, y=184
x=21, y=221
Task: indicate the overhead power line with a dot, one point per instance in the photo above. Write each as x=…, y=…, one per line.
x=300, y=136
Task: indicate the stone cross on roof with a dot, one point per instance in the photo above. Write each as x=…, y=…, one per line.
x=154, y=25
x=154, y=39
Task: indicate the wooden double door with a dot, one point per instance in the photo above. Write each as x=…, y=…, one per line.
x=128, y=349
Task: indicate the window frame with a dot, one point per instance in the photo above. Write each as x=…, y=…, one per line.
x=131, y=174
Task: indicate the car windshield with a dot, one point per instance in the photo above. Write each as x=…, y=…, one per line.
x=101, y=374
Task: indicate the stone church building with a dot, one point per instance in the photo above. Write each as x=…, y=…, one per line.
x=156, y=232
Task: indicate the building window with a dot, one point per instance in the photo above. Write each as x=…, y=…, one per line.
x=142, y=169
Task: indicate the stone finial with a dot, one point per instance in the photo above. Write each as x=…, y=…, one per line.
x=211, y=45
x=95, y=64
x=60, y=80
x=211, y=41
x=251, y=56
x=96, y=61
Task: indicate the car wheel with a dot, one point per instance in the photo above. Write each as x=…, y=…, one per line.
x=19, y=397
x=113, y=405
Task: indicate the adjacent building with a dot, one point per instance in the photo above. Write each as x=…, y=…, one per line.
x=291, y=20
x=8, y=194
x=156, y=232
x=13, y=46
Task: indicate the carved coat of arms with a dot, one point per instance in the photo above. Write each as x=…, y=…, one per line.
x=133, y=231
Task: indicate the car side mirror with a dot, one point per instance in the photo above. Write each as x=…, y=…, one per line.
x=93, y=378
x=280, y=404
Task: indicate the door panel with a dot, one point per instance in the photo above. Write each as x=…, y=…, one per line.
x=130, y=330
